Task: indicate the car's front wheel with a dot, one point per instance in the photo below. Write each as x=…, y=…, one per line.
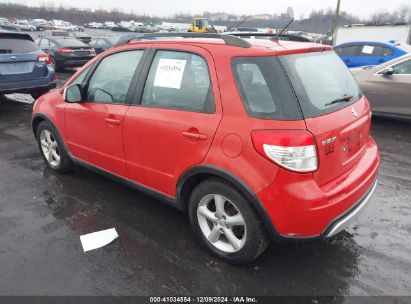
x=52, y=148
x=225, y=223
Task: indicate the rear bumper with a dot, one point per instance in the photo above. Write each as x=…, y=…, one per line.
x=28, y=86
x=345, y=220
x=73, y=61
x=301, y=209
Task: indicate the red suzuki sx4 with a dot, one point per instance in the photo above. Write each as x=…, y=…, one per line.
x=256, y=140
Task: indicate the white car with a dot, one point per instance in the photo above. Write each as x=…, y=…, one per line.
x=24, y=26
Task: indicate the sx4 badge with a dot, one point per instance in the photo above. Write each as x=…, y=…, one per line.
x=329, y=144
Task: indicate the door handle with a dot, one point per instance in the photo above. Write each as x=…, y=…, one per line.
x=195, y=136
x=112, y=121
x=381, y=60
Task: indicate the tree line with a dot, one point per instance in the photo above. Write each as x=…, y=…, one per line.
x=317, y=21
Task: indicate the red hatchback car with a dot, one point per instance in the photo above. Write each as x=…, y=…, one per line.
x=257, y=140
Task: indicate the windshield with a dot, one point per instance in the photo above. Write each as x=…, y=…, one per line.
x=322, y=82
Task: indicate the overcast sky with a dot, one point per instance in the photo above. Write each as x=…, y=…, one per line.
x=362, y=8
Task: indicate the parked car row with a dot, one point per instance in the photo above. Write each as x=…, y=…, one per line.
x=123, y=26
x=357, y=54
x=37, y=25
x=383, y=71
x=388, y=86
x=389, y=81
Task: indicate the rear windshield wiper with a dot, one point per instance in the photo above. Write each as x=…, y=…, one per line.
x=342, y=99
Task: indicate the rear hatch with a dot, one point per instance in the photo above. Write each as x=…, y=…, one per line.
x=334, y=108
x=19, y=59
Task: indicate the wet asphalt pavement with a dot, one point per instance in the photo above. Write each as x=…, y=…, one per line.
x=42, y=215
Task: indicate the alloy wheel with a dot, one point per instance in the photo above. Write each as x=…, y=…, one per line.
x=222, y=223
x=50, y=148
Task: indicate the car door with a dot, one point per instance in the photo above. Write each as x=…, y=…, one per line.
x=390, y=94
x=94, y=126
x=175, y=115
x=374, y=54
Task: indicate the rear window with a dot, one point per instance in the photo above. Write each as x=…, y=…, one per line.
x=321, y=81
x=17, y=46
x=264, y=88
x=70, y=42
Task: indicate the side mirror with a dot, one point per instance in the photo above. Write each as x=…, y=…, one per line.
x=72, y=93
x=388, y=71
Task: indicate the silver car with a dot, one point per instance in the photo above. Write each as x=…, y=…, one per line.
x=388, y=86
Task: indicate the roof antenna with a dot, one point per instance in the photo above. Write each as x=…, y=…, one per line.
x=277, y=37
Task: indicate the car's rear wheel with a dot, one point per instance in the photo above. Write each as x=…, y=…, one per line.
x=52, y=148
x=54, y=64
x=225, y=223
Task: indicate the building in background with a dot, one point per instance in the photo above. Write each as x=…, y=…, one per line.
x=290, y=12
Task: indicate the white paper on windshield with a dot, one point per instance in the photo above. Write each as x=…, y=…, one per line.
x=367, y=49
x=98, y=239
x=169, y=73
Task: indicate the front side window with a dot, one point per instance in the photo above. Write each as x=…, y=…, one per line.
x=403, y=68
x=179, y=80
x=111, y=79
x=347, y=50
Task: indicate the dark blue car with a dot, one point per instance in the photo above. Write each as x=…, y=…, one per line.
x=356, y=54
x=24, y=67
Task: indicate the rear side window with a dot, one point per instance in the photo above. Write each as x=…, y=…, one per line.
x=264, y=88
x=179, y=80
x=375, y=50
x=17, y=46
x=322, y=82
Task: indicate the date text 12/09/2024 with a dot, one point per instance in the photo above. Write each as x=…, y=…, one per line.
x=239, y=299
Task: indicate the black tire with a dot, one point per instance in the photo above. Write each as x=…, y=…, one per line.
x=256, y=240
x=65, y=164
x=55, y=65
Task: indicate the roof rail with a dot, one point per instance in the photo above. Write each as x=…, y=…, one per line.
x=228, y=40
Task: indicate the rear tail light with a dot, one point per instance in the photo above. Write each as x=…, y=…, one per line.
x=293, y=150
x=44, y=58
x=54, y=77
x=65, y=50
